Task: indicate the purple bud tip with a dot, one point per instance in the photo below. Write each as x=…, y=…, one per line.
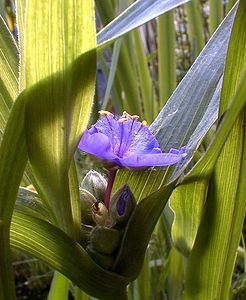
x=124, y=197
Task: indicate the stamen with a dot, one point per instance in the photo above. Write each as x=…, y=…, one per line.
x=122, y=120
x=131, y=117
x=99, y=208
x=143, y=123
x=105, y=113
x=31, y=188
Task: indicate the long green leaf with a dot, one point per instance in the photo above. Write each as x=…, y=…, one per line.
x=21, y=25
x=220, y=231
x=188, y=203
x=111, y=75
x=215, y=14
x=143, y=73
x=53, y=246
x=135, y=16
x=166, y=57
x=195, y=26
x=59, y=287
x=13, y=155
x=128, y=88
x=59, y=103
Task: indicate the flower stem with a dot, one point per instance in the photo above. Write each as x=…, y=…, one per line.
x=111, y=178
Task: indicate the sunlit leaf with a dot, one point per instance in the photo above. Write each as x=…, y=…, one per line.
x=60, y=68
x=134, y=16
x=220, y=231
x=8, y=74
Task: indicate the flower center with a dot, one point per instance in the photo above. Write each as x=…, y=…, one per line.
x=121, y=141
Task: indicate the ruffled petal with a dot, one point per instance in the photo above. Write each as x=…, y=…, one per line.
x=97, y=144
x=151, y=160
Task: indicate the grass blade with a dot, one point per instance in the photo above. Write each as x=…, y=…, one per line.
x=59, y=287
x=166, y=57
x=135, y=16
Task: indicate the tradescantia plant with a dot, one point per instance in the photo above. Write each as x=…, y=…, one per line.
x=98, y=240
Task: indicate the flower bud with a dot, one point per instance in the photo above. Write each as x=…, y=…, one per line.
x=104, y=240
x=94, y=183
x=122, y=205
x=101, y=216
x=86, y=200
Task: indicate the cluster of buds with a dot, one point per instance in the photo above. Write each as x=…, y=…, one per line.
x=104, y=226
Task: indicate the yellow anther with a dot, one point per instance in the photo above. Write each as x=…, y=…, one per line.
x=125, y=113
x=143, y=123
x=30, y=187
x=105, y=113
x=128, y=116
x=123, y=120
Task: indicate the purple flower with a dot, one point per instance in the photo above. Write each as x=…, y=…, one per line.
x=125, y=142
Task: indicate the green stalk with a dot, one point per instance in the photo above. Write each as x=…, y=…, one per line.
x=230, y=4
x=195, y=26
x=124, y=73
x=166, y=57
x=144, y=76
x=116, y=99
x=127, y=78
x=59, y=287
x=216, y=14
x=175, y=275
x=80, y=295
x=111, y=76
x=143, y=281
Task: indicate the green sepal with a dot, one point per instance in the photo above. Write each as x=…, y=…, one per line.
x=104, y=240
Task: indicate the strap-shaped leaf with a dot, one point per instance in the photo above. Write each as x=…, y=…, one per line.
x=60, y=69
x=20, y=19
x=135, y=16
x=220, y=231
x=13, y=154
x=53, y=246
x=188, y=203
